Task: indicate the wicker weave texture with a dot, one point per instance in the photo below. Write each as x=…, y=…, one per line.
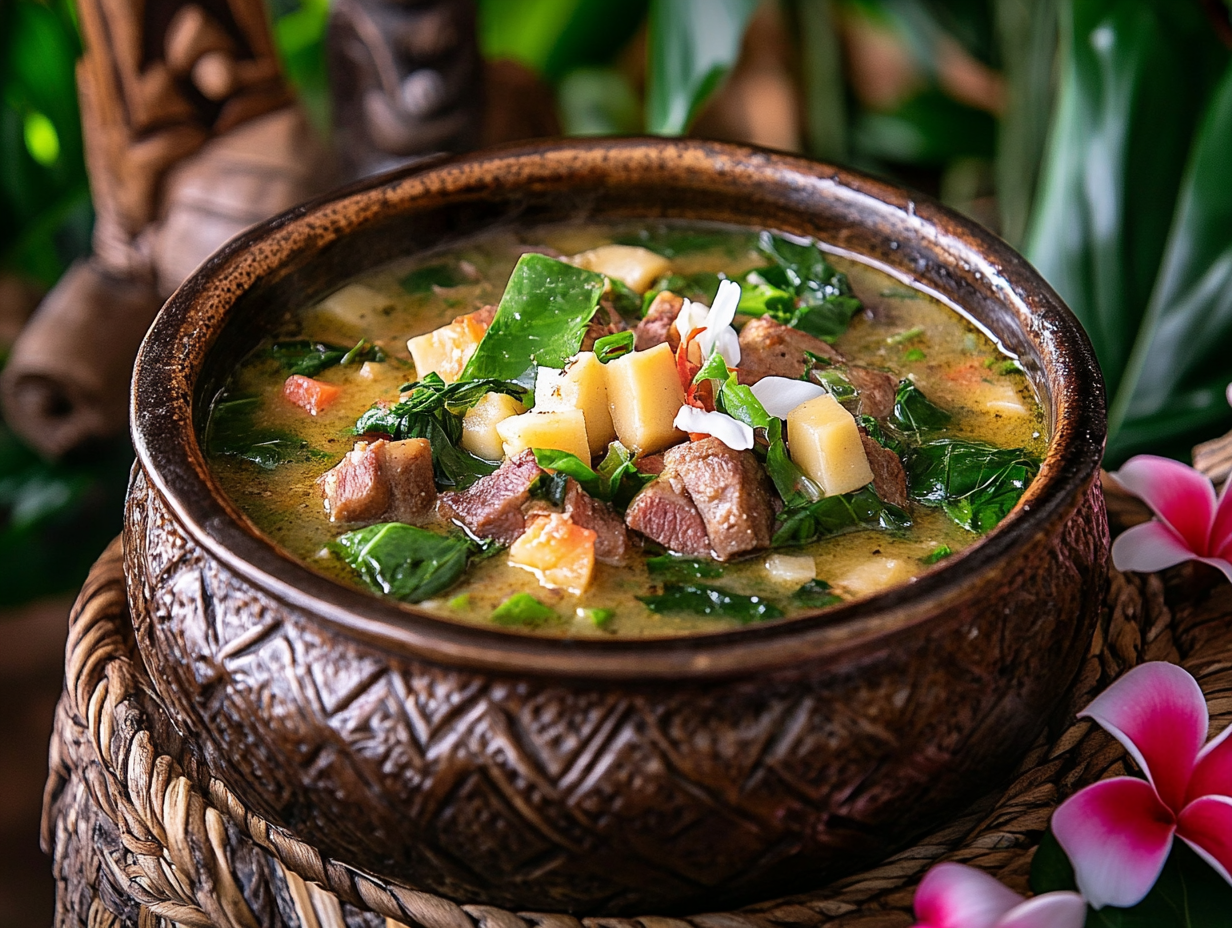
x=141, y=835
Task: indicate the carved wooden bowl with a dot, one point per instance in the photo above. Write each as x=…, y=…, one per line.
x=605, y=776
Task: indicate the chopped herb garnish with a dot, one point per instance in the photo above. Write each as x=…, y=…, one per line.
x=938, y=553
x=915, y=412
x=617, y=479
x=402, y=561
x=974, y=483
x=1011, y=367
x=611, y=347
x=460, y=602
x=670, y=567
x=906, y=336
x=835, y=515
x=915, y=354
x=816, y=594
x=599, y=618
x=308, y=358
x=699, y=599
x=523, y=609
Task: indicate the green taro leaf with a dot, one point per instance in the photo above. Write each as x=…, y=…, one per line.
x=1173, y=390
x=737, y=400
x=699, y=599
x=794, y=487
x=616, y=481
x=1136, y=76
x=232, y=431
x=611, y=347
x=976, y=484
x=916, y=413
x=402, y=561
x=692, y=45
x=822, y=302
x=550, y=488
x=670, y=567
x=524, y=610
x=540, y=321
x=836, y=515
x=816, y=594
x=308, y=358
x=836, y=383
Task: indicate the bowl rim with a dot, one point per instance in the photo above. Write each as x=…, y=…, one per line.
x=164, y=436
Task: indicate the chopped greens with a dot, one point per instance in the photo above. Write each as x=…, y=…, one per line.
x=738, y=401
x=524, y=610
x=431, y=409
x=816, y=594
x=233, y=432
x=308, y=358
x=674, y=568
x=623, y=299
x=796, y=489
x=891, y=440
x=700, y=288
x=700, y=599
x=599, y=618
x=402, y=561
x=909, y=335
x=835, y=383
x=424, y=279
x=671, y=243
x=541, y=319
x=974, y=483
x=834, y=515
x=915, y=412
x=550, y=488
x=611, y=347
x=936, y=554
x=617, y=479
x=915, y=354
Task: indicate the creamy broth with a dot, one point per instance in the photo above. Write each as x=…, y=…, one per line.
x=901, y=330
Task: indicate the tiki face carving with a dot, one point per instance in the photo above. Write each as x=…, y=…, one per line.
x=406, y=79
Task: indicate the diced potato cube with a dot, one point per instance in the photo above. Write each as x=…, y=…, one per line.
x=564, y=430
x=636, y=268
x=824, y=441
x=877, y=574
x=479, y=435
x=643, y=396
x=1001, y=397
x=791, y=569
x=582, y=385
x=446, y=350
x=559, y=553
x=352, y=304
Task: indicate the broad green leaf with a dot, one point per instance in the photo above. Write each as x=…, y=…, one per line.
x=914, y=412
x=402, y=561
x=1174, y=386
x=692, y=46
x=699, y=599
x=565, y=463
x=671, y=567
x=598, y=101
x=793, y=486
x=232, y=430
x=1135, y=76
x=540, y=320
x=823, y=85
x=836, y=515
x=975, y=483
x=816, y=594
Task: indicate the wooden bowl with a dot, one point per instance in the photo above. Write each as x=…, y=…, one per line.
x=605, y=776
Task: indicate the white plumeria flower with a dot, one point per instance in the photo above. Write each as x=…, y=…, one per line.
x=780, y=395
x=733, y=433
x=716, y=320
x=1229, y=394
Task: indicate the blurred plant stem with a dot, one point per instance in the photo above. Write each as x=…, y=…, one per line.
x=824, y=85
x=1027, y=32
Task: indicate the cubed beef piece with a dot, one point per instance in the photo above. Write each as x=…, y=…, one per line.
x=388, y=481
x=663, y=512
x=491, y=507
x=877, y=389
x=771, y=349
x=597, y=328
x=889, y=478
x=658, y=325
x=651, y=464
x=611, y=537
x=731, y=492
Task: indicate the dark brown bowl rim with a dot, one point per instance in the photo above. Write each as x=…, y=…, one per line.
x=164, y=437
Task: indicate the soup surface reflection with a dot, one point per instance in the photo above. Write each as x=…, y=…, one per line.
x=637, y=431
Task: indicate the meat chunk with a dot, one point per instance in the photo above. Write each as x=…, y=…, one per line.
x=657, y=326
x=771, y=349
x=889, y=478
x=491, y=507
x=597, y=328
x=383, y=480
x=731, y=492
x=663, y=512
x=877, y=389
x=651, y=464
x=612, y=542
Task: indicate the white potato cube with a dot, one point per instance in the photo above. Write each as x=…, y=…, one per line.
x=479, y=435
x=791, y=569
x=1001, y=397
x=446, y=350
x=877, y=574
x=561, y=431
x=582, y=385
x=643, y=396
x=350, y=304
x=636, y=268
x=824, y=441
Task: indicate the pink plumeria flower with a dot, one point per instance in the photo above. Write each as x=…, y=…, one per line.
x=958, y=896
x=1191, y=524
x=1118, y=832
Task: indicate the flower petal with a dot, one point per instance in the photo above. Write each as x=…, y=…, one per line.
x=1178, y=494
x=1219, y=564
x=733, y=433
x=1051, y=910
x=691, y=316
x=1117, y=835
x=958, y=896
x=1206, y=826
x=1212, y=774
x=1157, y=711
x=718, y=322
x=780, y=395
x=1149, y=547
x=1221, y=528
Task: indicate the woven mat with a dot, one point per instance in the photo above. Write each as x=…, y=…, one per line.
x=141, y=836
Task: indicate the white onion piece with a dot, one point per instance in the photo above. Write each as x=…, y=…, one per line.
x=719, y=332
x=733, y=433
x=780, y=395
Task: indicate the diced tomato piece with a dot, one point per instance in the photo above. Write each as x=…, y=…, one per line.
x=312, y=395
x=559, y=553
